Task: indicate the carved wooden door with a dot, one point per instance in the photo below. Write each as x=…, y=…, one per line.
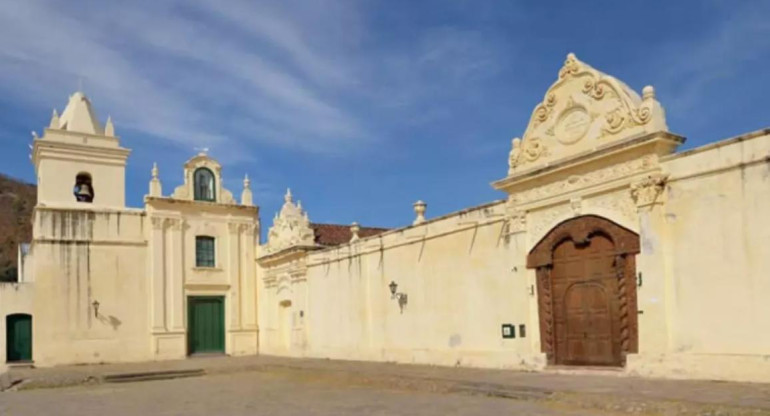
x=585, y=314
x=586, y=292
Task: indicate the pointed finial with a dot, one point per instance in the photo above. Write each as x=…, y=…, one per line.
x=246, y=196
x=299, y=205
x=54, y=120
x=287, y=197
x=156, y=189
x=109, y=128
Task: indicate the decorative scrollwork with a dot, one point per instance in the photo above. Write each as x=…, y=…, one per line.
x=647, y=191
x=625, y=332
x=545, y=305
x=526, y=151
x=594, y=89
x=571, y=66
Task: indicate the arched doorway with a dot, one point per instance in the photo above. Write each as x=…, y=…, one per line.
x=586, y=292
x=18, y=337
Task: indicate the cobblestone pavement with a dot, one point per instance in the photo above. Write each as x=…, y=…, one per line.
x=276, y=386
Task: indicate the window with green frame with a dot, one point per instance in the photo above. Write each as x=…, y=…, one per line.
x=204, y=251
x=203, y=185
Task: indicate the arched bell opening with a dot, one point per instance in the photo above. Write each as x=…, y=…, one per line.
x=84, y=188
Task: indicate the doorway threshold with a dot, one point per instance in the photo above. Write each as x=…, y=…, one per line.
x=585, y=370
x=206, y=355
x=20, y=364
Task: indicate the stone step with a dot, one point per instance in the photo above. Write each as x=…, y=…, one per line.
x=152, y=375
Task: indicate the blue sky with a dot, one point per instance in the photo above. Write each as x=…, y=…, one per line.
x=362, y=107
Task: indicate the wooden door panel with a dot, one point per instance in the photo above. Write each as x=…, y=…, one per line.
x=206, y=324
x=582, y=279
x=18, y=337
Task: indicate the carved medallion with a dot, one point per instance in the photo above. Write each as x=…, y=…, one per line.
x=572, y=125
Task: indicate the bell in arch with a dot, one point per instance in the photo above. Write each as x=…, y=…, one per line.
x=84, y=191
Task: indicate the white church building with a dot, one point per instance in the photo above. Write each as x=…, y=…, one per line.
x=607, y=248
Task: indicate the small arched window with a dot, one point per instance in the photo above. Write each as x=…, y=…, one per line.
x=203, y=183
x=84, y=189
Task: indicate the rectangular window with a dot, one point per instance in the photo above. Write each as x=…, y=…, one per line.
x=204, y=252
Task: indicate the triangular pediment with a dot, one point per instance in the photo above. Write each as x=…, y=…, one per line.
x=582, y=111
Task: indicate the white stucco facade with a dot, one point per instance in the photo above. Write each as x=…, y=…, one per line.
x=593, y=147
x=687, y=281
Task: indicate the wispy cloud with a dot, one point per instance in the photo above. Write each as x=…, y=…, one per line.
x=690, y=67
x=162, y=71
x=198, y=73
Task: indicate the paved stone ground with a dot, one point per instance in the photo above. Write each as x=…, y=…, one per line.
x=254, y=393
x=271, y=385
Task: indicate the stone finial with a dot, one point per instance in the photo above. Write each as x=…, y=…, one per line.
x=246, y=197
x=54, y=124
x=419, y=209
x=156, y=189
x=287, y=197
x=109, y=128
x=648, y=93
x=513, y=156
x=354, y=230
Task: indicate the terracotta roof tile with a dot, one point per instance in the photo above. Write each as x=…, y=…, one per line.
x=336, y=234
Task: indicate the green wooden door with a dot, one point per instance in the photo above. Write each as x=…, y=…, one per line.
x=206, y=324
x=18, y=336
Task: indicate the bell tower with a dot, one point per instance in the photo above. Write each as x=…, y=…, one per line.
x=78, y=161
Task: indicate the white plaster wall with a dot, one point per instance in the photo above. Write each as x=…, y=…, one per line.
x=81, y=256
x=56, y=180
x=175, y=276
x=717, y=211
x=458, y=273
x=711, y=240
x=14, y=298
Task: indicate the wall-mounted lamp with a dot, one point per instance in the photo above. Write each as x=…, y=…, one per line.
x=397, y=295
x=95, y=304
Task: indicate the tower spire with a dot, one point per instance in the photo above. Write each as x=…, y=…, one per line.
x=109, y=128
x=54, y=124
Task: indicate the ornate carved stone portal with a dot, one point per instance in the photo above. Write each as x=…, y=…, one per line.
x=584, y=109
x=291, y=227
x=586, y=292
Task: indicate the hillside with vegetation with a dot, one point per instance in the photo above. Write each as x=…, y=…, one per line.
x=17, y=199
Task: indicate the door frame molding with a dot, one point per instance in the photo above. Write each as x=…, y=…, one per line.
x=580, y=230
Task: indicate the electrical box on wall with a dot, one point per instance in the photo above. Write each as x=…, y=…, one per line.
x=509, y=331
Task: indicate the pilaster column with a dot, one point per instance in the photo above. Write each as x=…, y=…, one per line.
x=248, y=277
x=516, y=238
x=234, y=273
x=175, y=293
x=157, y=275
x=655, y=289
